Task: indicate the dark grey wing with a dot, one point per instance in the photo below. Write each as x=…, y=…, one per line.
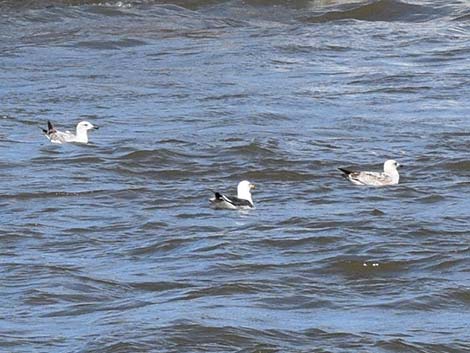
x=235, y=201
x=232, y=201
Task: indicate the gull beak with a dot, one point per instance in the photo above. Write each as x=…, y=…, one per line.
x=96, y=127
x=252, y=186
x=399, y=165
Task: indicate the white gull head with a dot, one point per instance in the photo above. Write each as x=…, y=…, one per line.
x=391, y=169
x=244, y=190
x=82, y=131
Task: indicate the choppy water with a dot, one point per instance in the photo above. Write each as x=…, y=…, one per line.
x=111, y=247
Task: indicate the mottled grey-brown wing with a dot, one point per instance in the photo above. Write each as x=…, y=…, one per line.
x=61, y=137
x=371, y=178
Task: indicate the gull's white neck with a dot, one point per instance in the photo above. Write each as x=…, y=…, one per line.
x=245, y=195
x=81, y=135
x=393, y=173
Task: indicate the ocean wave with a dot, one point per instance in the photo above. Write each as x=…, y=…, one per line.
x=381, y=10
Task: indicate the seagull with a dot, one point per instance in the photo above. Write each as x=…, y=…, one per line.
x=60, y=137
x=241, y=202
x=389, y=176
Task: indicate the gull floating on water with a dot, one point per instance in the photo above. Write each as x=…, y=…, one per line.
x=389, y=176
x=242, y=201
x=59, y=137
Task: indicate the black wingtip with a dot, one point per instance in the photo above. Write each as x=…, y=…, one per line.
x=50, y=126
x=345, y=171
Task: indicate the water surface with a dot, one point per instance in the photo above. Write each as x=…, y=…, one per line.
x=111, y=247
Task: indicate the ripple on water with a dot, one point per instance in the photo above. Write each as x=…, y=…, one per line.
x=113, y=247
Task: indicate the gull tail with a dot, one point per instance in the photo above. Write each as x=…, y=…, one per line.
x=217, y=196
x=346, y=171
x=50, y=128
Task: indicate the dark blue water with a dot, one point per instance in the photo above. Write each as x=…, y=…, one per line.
x=112, y=246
